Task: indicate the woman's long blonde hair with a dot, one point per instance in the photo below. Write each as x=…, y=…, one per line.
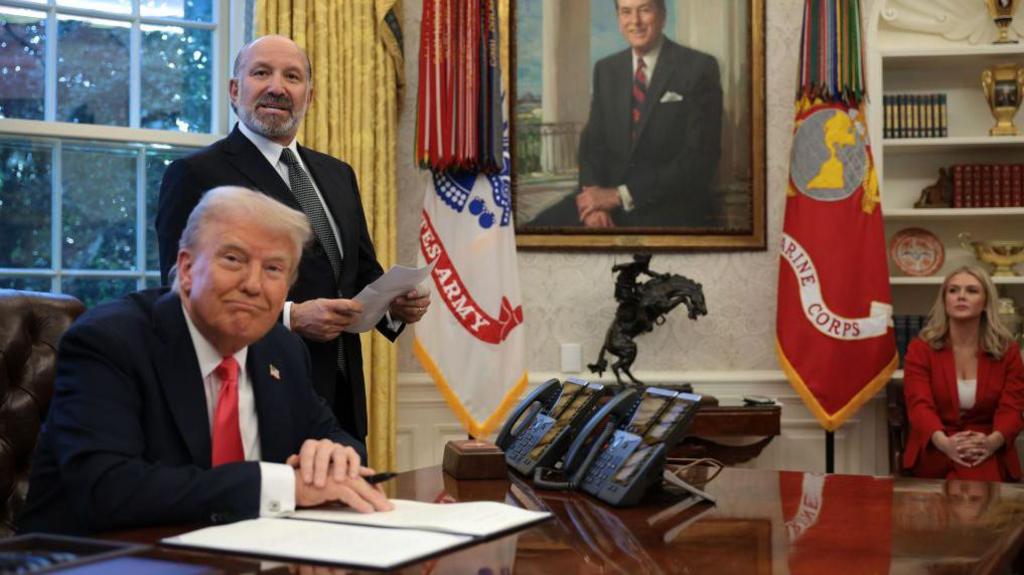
x=993, y=336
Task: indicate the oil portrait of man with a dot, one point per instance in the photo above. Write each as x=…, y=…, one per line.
x=637, y=117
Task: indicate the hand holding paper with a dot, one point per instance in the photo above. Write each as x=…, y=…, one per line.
x=411, y=306
x=392, y=290
x=323, y=319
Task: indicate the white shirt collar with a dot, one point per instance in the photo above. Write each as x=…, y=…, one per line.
x=650, y=58
x=208, y=356
x=270, y=149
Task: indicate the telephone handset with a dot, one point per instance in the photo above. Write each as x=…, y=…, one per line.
x=542, y=425
x=628, y=457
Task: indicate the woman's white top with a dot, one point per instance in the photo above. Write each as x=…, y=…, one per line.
x=967, y=389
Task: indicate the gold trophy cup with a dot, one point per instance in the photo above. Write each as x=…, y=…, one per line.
x=1003, y=254
x=1002, y=12
x=1003, y=85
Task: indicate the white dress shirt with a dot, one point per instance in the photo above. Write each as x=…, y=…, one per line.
x=967, y=390
x=277, y=480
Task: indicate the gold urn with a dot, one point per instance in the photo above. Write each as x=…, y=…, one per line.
x=1010, y=317
x=1003, y=85
x=1002, y=12
x=1002, y=254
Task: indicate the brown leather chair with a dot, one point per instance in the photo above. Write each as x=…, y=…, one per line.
x=898, y=424
x=31, y=324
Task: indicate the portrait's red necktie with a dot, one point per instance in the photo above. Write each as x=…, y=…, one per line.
x=639, y=95
x=227, y=438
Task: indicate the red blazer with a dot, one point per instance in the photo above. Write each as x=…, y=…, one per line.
x=930, y=387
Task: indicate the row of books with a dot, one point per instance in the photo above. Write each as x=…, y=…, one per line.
x=988, y=185
x=914, y=116
x=906, y=328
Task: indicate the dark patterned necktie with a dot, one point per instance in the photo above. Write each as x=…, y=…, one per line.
x=639, y=95
x=305, y=193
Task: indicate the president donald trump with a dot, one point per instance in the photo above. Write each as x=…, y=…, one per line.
x=195, y=404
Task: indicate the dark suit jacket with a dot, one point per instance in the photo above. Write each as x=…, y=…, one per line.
x=933, y=402
x=237, y=161
x=670, y=169
x=127, y=439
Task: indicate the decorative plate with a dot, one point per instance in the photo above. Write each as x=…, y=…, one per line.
x=917, y=252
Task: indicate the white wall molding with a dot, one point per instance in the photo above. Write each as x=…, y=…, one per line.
x=425, y=423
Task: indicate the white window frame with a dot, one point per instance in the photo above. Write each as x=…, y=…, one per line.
x=228, y=29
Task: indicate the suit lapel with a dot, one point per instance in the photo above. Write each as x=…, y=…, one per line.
x=246, y=158
x=949, y=380
x=663, y=70
x=177, y=369
x=339, y=203
x=984, y=369
x=622, y=100
x=269, y=387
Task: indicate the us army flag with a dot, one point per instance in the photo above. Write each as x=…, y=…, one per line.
x=834, y=327
x=471, y=342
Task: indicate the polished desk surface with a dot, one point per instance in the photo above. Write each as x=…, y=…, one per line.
x=765, y=522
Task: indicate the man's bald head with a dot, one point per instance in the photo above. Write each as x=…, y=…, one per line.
x=243, y=52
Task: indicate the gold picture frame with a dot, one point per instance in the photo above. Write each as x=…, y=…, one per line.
x=559, y=43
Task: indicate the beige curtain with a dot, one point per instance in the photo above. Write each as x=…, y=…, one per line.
x=357, y=78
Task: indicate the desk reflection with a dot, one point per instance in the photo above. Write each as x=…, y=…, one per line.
x=765, y=522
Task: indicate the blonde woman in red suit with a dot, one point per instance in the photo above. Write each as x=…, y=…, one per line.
x=964, y=385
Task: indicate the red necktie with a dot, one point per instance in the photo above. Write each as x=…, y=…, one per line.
x=639, y=95
x=227, y=439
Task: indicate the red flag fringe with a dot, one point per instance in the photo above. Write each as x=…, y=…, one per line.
x=458, y=124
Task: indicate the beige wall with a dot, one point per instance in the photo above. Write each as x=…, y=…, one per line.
x=737, y=333
x=567, y=298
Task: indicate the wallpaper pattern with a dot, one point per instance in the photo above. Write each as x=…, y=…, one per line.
x=567, y=297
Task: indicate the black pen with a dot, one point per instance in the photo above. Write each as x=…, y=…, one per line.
x=380, y=477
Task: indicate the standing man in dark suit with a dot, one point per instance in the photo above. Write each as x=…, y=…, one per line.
x=649, y=153
x=271, y=88
x=195, y=404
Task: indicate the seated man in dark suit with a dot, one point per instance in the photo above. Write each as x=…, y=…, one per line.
x=649, y=153
x=195, y=404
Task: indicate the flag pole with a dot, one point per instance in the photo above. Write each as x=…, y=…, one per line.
x=830, y=452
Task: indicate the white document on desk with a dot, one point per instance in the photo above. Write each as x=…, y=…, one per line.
x=477, y=518
x=322, y=542
x=384, y=539
x=377, y=297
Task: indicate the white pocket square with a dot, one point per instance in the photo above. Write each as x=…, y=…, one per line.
x=671, y=97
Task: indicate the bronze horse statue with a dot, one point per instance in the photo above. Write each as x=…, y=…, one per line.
x=641, y=310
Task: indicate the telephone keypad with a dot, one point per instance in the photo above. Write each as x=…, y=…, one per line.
x=620, y=446
x=519, y=454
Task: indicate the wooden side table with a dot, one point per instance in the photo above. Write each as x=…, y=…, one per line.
x=716, y=421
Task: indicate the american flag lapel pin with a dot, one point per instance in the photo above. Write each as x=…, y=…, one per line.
x=274, y=373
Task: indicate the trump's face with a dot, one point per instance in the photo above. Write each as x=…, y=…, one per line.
x=641, y=23
x=234, y=282
x=272, y=89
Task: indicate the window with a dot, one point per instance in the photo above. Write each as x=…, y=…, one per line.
x=97, y=97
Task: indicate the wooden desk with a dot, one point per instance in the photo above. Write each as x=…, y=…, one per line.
x=765, y=522
x=763, y=422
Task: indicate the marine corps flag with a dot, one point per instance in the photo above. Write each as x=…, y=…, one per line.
x=834, y=333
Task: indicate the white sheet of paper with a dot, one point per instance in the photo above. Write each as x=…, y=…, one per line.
x=478, y=518
x=317, y=541
x=377, y=297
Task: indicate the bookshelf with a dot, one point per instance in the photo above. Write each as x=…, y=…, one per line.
x=905, y=55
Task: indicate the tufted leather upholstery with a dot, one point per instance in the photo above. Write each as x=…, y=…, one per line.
x=31, y=324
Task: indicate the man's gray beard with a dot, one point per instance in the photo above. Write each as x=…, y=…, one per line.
x=267, y=129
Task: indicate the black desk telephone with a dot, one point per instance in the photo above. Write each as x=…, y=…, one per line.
x=554, y=413
x=628, y=456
